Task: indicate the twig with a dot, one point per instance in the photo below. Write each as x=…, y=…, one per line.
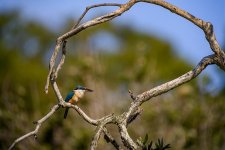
x=52, y=64
x=110, y=139
x=62, y=59
x=94, y=6
x=98, y=20
x=38, y=125
x=131, y=95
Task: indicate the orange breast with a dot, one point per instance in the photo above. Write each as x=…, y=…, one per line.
x=73, y=100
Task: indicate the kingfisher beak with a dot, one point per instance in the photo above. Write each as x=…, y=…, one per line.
x=89, y=90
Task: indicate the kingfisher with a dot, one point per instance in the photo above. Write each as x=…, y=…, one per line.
x=74, y=96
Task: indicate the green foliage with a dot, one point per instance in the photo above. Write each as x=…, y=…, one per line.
x=159, y=145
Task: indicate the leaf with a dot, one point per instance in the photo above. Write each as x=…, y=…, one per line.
x=145, y=139
x=160, y=145
x=150, y=146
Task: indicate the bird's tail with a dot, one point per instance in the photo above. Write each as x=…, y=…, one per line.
x=66, y=112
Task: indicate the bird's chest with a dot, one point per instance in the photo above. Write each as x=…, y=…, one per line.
x=77, y=95
x=74, y=99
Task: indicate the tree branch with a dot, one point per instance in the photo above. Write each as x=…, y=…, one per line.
x=126, y=139
x=134, y=110
x=145, y=96
x=61, y=61
x=96, y=136
x=82, y=27
x=93, y=6
x=178, y=81
x=38, y=125
x=110, y=139
x=52, y=64
x=207, y=27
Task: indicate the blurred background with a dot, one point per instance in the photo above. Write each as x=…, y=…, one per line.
x=143, y=48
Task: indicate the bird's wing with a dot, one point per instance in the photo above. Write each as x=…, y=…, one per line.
x=69, y=96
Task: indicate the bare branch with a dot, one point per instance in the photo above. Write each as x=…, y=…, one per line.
x=178, y=81
x=134, y=110
x=94, y=6
x=52, y=64
x=110, y=139
x=141, y=98
x=38, y=125
x=57, y=93
x=62, y=59
x=126, y=139
x=83, y=115
x=134, y=115
x=207, y=27
x=96, y=136
x=131, y=95
x=198, y=22
x=100, y=127
x=98, y=20
x=82, y=27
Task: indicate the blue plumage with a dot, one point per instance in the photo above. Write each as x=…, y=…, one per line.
x=67, y=99
x=69, y=96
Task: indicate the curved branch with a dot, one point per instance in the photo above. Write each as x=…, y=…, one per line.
x=198, y=22
x=83, y=115
x=178, y=81
x=82, y=27
x=207, y=27
x=133, y=111
x=93, y=6
x=145, y=96
x=98, y=20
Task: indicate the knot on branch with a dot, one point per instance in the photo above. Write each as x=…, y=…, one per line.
x=35, y=122
x=208, y=29
x=64, y=47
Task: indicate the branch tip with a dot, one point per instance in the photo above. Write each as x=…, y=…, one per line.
x=132, y=95
x=35, y=122
x=35, y=136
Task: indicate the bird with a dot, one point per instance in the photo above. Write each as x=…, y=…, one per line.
x=74, y=96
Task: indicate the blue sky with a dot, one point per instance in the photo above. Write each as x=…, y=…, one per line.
x=187, y=39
